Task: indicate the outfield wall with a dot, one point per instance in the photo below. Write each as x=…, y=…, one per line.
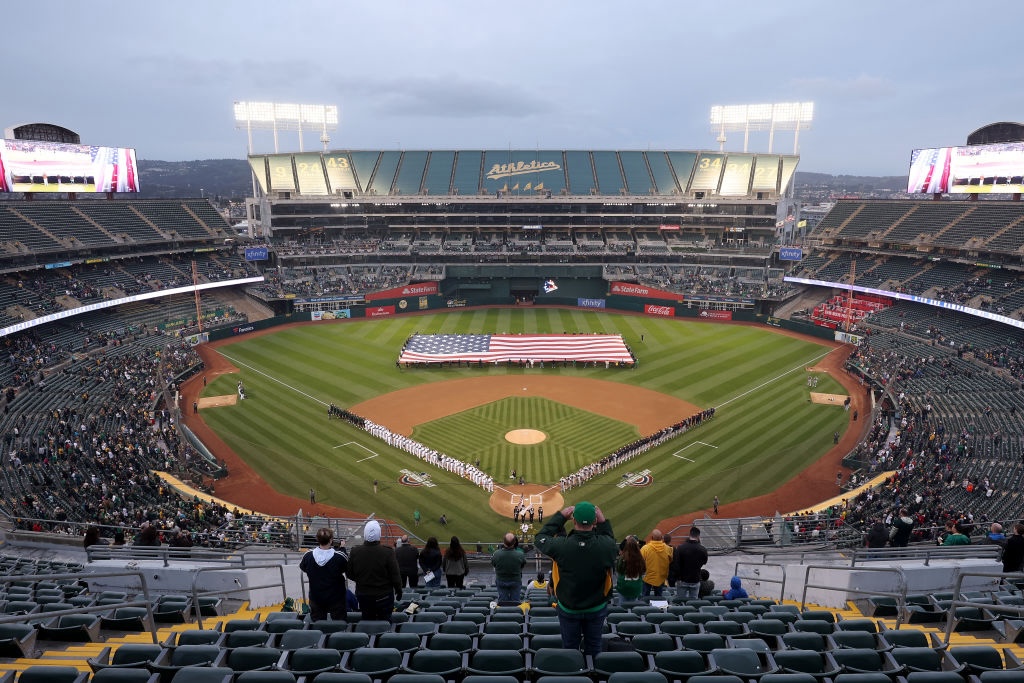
x=580, y=293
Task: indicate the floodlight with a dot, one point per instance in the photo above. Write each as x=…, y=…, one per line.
x=793, y=116
x=285, y=116
x=277, y=116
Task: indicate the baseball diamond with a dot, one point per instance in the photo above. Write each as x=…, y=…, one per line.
x=279, y=446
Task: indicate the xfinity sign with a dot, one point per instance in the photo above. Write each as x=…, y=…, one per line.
x=256, y=253
x=791, y=254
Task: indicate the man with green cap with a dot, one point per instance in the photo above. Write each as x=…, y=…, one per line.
x=581, y=572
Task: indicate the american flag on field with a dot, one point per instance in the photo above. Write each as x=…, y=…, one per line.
x=491, y=348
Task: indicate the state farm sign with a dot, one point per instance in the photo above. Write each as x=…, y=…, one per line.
x=633, y=289
x=417, y=289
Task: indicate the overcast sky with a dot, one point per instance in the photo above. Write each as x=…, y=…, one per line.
x=885, y=77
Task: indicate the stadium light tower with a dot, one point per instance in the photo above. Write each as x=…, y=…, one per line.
x=794, y=116
x=276, y=116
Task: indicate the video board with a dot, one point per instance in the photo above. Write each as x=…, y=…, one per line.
x=975, y=169
x=34, y=166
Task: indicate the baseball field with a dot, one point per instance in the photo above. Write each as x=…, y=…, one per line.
x=543, y=423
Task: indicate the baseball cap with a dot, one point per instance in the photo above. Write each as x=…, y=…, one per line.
x=584, y=513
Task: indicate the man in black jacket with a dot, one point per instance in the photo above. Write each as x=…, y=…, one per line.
x=374, y=569
x=687, y=560
x=902, y=527
x=408, y=562
x=1013, y=554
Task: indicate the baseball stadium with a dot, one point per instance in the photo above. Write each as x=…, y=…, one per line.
x=466, y=344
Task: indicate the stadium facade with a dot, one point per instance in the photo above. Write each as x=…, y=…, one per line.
x=523, y=195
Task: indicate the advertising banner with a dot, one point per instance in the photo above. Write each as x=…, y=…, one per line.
x=340, y=314
x=715, y=315
x=975, y=169
x=590, y=303
x=419, y=289
x=326, y=299
x=256, y=253
x=633, y=289
x=791, y=254
x=712, y=298
x=316, y=316
x=666, y=311
x=380, y=311
x=34, y=166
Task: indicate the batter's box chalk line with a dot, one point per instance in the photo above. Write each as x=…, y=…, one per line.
x=695, y=443
x=373, y=453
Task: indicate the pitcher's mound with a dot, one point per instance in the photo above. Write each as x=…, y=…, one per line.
x=525, y=437
x=218, y=401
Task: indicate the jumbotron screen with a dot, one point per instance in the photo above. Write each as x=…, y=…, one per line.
x=33, y=166
x=976, y=169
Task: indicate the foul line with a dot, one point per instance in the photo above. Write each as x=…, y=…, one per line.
x=274, y=379
x=303, y=393
x=773, y=379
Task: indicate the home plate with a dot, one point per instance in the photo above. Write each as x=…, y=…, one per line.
x=218, y=401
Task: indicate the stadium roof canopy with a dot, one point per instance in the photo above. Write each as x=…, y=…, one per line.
x=1003, y=131
x=45, y=132
x=510, y=172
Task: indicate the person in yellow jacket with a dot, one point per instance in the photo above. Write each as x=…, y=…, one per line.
x=657, y=557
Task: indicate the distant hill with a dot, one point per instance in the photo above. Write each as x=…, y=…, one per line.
x=230, y=179
x=215, y=178
x=811, y=185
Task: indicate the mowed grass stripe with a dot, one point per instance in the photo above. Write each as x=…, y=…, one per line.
x=574, y=437
x=763, y=437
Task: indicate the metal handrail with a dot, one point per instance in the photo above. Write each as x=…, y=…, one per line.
x=927, y=553
x=992, y=607
x=782, y=582
x=196, y=594
x=79, y=576
x=900, y=594
x=195, y=554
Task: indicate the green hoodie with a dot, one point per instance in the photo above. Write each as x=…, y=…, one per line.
x=583, y=563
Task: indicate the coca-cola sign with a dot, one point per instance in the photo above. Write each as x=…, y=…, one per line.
x=666, y=311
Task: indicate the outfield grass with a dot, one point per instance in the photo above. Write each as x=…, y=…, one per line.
x=765, y=429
